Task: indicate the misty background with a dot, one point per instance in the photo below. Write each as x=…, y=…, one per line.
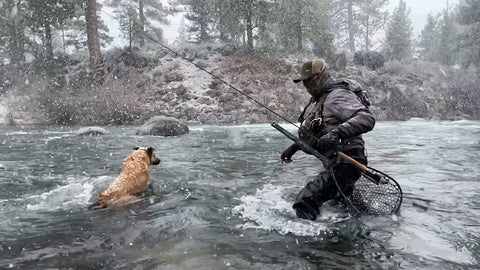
x=224, y=198
x=122, y=62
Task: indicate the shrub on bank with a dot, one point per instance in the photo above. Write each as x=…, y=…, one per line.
x=130, y=94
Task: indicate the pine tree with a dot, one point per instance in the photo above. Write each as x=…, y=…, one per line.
x=318, y=31
x=305, y=22
x=398, y=43
x=291, y=29
x=447, y=38
x=342, y=21
x=227, y=20
x=74, y=32
x=265, y=23
x=429, y=39
x=93, y=41
x=139, y=19
x=345, y=22
x=248, y=12
x=371, y=18
x=469, y=16
x=12, y=30
x=201, y=20
x=44, y=18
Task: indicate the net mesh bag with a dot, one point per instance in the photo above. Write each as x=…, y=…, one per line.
x=377, y=197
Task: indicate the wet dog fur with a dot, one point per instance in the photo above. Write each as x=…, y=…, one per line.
x=133, y=179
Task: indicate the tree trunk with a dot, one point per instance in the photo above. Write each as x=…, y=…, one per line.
x=63, y=41
x=48, y=46
x=299, y=28
x=16, y=38
x=130, y=32
x=203, y=29
x=249, y=24
x=142, y=22
x=96, y=60
x=15, y=45
x=367, y=38
x=351, y=30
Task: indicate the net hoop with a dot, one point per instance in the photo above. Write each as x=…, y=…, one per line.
x=384, y=197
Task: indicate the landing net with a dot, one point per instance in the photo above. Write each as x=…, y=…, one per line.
x=377, y=197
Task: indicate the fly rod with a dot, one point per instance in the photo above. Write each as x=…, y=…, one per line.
x=369, y=173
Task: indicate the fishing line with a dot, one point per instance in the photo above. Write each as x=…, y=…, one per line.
x=210, y=73
x=236, y=89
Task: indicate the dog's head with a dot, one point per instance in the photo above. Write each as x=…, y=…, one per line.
x=153, y=160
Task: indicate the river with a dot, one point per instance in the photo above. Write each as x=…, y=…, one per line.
x=222, y=200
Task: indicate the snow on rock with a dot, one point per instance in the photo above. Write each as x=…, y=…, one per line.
x=163, y=126
x=91, y=131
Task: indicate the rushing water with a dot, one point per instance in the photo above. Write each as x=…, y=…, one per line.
x=222, y=200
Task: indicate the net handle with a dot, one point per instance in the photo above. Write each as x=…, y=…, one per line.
x=353, y=161
x=372, y=176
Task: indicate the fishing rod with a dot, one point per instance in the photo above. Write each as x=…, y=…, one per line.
x=390, y=203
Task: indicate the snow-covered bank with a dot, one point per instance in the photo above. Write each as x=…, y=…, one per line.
x=143, y=85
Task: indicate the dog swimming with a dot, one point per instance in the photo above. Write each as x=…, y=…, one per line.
x=133, y=179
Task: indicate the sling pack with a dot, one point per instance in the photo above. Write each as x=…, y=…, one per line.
x=356, y=88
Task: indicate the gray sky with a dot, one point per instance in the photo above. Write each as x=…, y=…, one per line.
x=419, y=11
x=421, y=8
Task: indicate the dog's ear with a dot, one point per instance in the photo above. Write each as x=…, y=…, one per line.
x=136, y=148
x=150, y=151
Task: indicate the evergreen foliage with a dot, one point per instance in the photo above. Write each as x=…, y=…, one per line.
x=342, y=21
x=12, y=30
x=356, y=21
x=227, y=20
x=305, y=23
x=469, y=42
x=42, y=30
x=139, y=19
x=46, y=30
x=429, y=39
x=371, y=18
x=46, y=16
x=398, y=43
x=281, y=25
x=447, y=43
x=201, y=19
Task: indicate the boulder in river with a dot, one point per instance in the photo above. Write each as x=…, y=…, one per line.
x=163, y=126
x=91, y=131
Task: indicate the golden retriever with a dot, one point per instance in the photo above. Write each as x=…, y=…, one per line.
x=133, y=179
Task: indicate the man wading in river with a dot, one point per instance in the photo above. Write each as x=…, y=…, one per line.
x=339, y=116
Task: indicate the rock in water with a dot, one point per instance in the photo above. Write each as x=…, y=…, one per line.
x=91, y=131
x=163, y=126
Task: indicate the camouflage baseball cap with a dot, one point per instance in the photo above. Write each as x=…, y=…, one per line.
x=311, y=68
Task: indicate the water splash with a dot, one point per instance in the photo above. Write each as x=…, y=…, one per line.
x=77, y=193
x=269, y=210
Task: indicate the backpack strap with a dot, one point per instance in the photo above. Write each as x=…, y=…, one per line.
x=322, y=101
x=301, y=118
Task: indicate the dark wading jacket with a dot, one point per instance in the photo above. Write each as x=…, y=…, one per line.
x=341, y=108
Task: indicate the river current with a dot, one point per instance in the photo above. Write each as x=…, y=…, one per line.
x=222, y=200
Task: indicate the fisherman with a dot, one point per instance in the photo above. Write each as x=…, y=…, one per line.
x=339, y=116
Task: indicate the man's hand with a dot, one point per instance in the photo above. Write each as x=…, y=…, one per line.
x=329, y=141
x=287, y=154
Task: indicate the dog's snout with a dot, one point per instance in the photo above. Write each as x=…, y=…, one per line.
x=155, y=161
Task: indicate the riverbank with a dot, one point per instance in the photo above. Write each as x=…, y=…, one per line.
x=141, y=85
